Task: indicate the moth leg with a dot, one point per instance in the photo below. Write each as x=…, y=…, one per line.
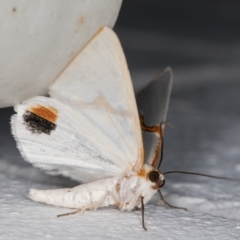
x=70, y=213
x=142, y=208
x=91, y=206
x=168, y=204
x=82, y=210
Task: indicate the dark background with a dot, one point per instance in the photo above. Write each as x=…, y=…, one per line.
x=209, y=27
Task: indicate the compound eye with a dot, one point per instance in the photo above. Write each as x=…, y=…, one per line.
x=163, y=182
x=154, y=176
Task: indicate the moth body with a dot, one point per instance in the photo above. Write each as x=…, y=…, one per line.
x=91, y=130
x=124, y=191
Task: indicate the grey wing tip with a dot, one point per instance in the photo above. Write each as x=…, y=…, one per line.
x=167, y=69
x=167, y=73
x=165, y=76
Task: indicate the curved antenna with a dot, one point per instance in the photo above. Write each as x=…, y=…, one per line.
x=204, y=175
x=162, y=125
x=162, y=143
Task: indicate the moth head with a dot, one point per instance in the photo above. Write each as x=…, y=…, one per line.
x=152, y=175
x=157, y=178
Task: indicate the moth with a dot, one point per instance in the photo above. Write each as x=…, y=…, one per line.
x=90, y=130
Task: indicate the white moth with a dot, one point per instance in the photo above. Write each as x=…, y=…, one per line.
x=89, y=130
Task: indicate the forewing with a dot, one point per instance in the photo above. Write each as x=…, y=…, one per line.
x=98, y=132
x=153, y=103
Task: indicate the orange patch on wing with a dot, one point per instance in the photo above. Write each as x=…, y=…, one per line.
x=48, y=113
x=142, y=173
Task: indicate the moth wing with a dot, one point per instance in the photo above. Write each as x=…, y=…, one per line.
x=97, y=132
x=49, y=136
x=153, y=103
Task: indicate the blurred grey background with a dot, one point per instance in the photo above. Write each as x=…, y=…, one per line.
x=179, y=33
x=200, y=40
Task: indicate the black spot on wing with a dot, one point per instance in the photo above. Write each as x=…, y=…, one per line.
x=37, y=124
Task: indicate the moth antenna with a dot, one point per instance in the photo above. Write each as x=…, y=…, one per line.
x=142, y=207
x=162, y=143
x=168, y=204
x=162, y=124
x=205, y=175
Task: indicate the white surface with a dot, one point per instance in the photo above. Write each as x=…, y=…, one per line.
x=23, y=219
x=39, y=39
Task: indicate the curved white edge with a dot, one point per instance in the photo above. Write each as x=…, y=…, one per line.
x=40, y=38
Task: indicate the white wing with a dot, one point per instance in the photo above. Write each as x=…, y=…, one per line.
x=153, y=103
x=92, y=127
